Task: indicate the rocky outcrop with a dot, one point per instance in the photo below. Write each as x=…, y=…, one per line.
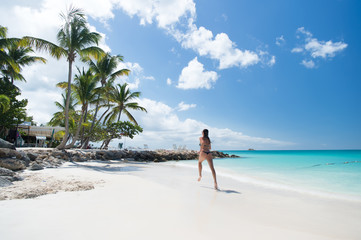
x=37, y=159
x=6, y=144
x=4, y=182
x=56, y=157
x=6, y=172
x=34, y=167
x=12, y=161
x=12, y=164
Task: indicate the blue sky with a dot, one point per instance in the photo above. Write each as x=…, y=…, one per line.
x=258, y=74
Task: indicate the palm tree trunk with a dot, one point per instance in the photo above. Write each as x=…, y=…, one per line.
x=77, y=130
x=82, y=133
x=86, y=142
x=120, y=113
x=107, y=143
x=62, y=144
x=101, y=117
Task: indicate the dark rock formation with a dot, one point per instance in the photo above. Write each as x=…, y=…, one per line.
x=6, y=172
x=6, y=144
x=4, y=182
x=34, y=166
x=12, y=164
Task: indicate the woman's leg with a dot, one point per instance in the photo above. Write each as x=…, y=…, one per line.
x=210, y=163
x=200, y=166
x=200, y=170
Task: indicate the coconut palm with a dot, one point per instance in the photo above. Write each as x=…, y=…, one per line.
x=5, y=42
x=58, y=118
x=105, y=70
x=20, y=57
x=84, y=91
x=4, y=103
x=120, y=98
x=74, y=39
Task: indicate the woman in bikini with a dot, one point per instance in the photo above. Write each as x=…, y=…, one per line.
x=205, y=153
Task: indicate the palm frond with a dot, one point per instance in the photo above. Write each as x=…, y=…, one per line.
x=43, y=45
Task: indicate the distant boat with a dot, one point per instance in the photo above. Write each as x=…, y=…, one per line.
x=251, y=149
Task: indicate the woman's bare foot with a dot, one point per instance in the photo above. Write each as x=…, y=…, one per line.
x=216, y=186
x=199, y=179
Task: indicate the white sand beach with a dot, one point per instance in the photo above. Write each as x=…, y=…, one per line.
x=163, y=201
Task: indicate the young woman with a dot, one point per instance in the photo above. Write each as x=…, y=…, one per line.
x=205, y=153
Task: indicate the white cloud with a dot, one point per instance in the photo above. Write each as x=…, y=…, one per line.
x=169, y=81
x=220, y=48
x=163, y=128
x=303, y=31
x=135, y=76
x=308, y=64
x=280, y=40
x=297, y=50
x=168, y=15
x=316, y=48
x=324, y=49
x=184, y=107
x=193, y=76
x=272, y=61
x=165, y=13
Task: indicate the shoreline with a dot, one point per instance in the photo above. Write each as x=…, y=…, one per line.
x=162, y=201
x=273, y=184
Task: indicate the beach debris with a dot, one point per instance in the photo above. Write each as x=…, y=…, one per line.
x=35, y=185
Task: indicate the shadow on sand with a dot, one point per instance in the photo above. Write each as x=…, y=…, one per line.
x=224, y=190
x=108, y=168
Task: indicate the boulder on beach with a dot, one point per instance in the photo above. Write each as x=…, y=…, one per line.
x=6, y=144
x=32, y=156
x=12, y=164
x=34, y=167
x=9, y=153
x=6, y=172
x=4, y=182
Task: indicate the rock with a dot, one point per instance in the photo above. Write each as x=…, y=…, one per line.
x=9, y=153
x=60, y=155
x=35, y=167
x=32, y=156
x=6, y=144
x=12, y=164
x=4, y=182
x=6, y=172
x=128, y=160
x=25, y=158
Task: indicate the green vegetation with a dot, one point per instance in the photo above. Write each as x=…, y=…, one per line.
x=93, y=89
x=13, y=110
x=13, y=57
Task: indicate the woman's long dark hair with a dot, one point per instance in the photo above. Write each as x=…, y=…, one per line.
x=205, y=135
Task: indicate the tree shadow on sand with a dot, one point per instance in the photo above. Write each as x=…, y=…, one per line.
x=108, y=168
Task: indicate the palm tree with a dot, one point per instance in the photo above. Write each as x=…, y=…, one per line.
x=120, y=97
x=84, y=91
x=74, y=39
x=19, y=57
x=105, y=70
x=4, y=103
x=5, y=42
x=59, y=117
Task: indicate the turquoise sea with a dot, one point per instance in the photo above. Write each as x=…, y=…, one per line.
x=328, y=172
